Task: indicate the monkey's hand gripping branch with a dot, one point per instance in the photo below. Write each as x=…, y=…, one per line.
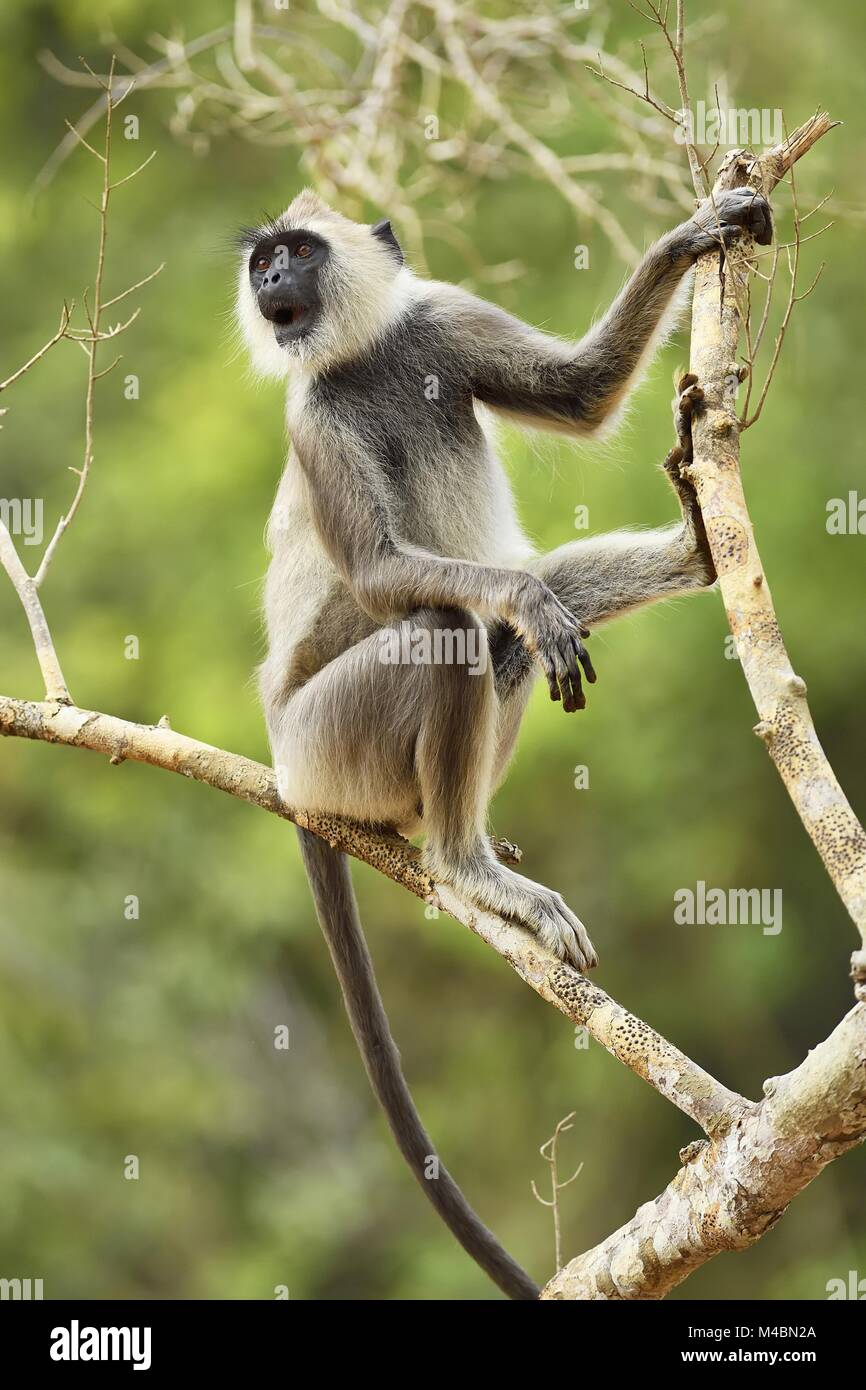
x=779, y=694
x=734, y=1188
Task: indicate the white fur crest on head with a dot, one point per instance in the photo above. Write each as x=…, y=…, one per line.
x=362, y=289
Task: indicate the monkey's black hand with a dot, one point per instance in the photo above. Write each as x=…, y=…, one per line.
x=720, y=221
x=553, y=636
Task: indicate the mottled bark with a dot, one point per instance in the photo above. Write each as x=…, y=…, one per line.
x=628, y=1038
x=731, y=1190
x=779, y=693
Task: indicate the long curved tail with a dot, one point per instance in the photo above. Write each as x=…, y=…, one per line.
x=337, y=911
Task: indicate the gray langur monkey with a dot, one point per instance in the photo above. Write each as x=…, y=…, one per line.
x=394, y=509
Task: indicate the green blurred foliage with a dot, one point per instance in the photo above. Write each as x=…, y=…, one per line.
x=154, y=1037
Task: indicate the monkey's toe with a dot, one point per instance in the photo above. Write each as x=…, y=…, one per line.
x=557, y=927
x=531, y=905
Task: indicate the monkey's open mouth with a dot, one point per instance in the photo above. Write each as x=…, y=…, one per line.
x=289, y=322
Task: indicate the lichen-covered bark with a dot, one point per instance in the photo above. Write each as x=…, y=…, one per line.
x=733, y=1188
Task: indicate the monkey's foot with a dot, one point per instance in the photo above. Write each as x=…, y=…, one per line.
x=494, y=888
x=551, y=919
x=687, y=402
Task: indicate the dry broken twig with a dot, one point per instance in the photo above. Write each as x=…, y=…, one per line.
x=549, y=1152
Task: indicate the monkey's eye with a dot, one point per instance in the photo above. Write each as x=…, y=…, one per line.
x=263, y=262
x=304, y=250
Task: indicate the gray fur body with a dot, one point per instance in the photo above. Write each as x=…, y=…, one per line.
x=394, y=506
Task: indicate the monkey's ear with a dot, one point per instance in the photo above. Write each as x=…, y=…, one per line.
x=382, y=231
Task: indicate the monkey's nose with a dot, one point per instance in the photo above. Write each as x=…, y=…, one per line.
x=277, y=298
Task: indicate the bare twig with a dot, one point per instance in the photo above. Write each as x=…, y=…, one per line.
x=132, y=288
x=793, y=258
x=65, y=314
x=81, y=141
x=662, y=107
x=91, y=339
x=118, y=183
x=548, y=1152
x=94, y=317
x=676, y=44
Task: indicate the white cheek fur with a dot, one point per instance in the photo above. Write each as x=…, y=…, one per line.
x=362, y=291
x=267, y=357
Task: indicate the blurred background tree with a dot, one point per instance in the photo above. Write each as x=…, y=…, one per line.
x=154, y=1036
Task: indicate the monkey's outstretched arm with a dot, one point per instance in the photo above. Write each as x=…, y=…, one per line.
x=351, y=509
x=575, y=387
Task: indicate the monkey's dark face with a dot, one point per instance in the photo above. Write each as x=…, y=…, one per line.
x=284, y=278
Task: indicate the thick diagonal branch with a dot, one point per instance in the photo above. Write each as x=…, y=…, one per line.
x=731, y=1191
x=633, y=1042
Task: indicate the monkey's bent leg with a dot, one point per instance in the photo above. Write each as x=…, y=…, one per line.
x=395, y=732
x=457, y=741
x=398, y=727
x=601, y=578
x=345, y=742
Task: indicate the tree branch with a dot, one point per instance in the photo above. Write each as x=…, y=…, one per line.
x=25, y=587
x=733, y=1189
x=779, y=693
x=632, y=1041
x=730, y=1192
